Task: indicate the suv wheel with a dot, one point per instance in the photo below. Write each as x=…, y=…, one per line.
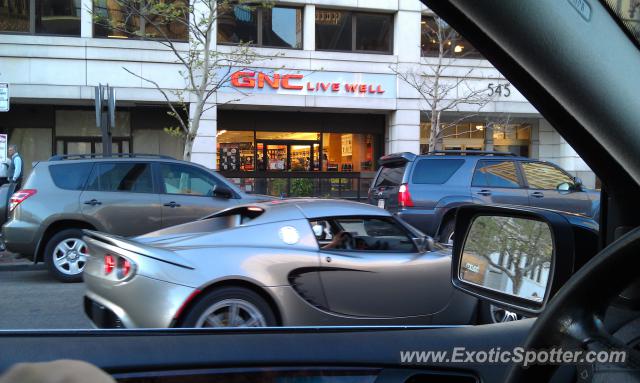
x=65, y=255
x=446, y=234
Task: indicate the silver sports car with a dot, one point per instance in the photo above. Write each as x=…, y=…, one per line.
x=299, y=262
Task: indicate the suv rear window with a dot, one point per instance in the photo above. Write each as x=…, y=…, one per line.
x=390, y=176
x=435, y=171
x=70, y=176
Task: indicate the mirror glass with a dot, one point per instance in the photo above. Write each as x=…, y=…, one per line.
x=565, y=186
x=507, y=254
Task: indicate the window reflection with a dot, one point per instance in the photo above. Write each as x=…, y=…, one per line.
x=58, y=17
x=282, y=27
x=14, y=15
x=435, y=32
x=237, y=24
x=350, y=31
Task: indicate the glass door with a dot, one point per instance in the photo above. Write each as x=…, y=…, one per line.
x=276, y=157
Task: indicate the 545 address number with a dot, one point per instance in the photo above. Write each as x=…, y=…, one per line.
x=499, y=89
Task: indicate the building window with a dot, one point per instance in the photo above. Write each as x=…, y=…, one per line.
x=129, y=19
x=338, y=30
x=435, y=32
x=51, y=17
x=279, y=27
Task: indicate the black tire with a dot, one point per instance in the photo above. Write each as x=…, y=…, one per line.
x=446, y=232
x=51, y=253
x=221, y=295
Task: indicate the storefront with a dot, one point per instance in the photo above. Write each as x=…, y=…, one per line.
x=300, y=153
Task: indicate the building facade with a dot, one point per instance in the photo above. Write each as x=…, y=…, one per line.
x=312, y=119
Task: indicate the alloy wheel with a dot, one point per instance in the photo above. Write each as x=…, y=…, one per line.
x=70, y=256
x=231, y=313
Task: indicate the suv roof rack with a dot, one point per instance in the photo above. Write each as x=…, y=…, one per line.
x=473, y=152
x=116, y=155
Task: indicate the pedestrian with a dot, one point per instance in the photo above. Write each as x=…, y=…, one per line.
x=14, y=175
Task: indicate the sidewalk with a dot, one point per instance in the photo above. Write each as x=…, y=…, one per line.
x=10, y=262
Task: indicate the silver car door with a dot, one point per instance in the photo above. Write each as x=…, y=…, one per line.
x=383, y=275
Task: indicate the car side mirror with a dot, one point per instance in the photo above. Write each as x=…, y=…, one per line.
x=222, y=191
x=577, y=184
x=513, y=257
x=565, y=186
x=424, y=243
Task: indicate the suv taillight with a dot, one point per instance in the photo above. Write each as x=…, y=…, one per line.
x=404, y=198
x=18, y=197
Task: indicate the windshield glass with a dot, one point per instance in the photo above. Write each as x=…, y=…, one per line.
x=627, y=12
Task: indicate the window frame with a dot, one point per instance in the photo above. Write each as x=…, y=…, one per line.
x=32, y=25
x=161, y=188
x=516, y=164
x=526, y=180
x=354, y=17
x=96, y=167
x=260, y=27
x=332, y=221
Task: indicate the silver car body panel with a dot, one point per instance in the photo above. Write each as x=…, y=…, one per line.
x=354, y=288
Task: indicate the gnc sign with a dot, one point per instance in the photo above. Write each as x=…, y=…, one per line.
x=314, y=83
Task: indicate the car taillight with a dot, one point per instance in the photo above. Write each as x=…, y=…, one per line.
x=404, y=197
x=109, y=264
x=124, y=268
x=18, y=197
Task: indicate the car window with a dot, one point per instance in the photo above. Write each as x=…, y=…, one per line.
x=70, y=176
x=390, y=176
x=187, y=180
x=544, y=176
x=123, y=177
x=368, y=234
x=435, y=171
x=498, y=174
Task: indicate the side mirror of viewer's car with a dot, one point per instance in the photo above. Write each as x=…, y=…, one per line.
x=516, y=258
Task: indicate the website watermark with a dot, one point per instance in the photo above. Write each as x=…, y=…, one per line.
x=518, y=355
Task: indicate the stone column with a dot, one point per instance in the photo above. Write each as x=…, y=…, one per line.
x=86, y=18
x=204, y=146
x=309, y=28
x=403, y=131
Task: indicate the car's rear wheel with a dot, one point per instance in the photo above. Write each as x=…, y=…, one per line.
x=66, y=255
x=230, y=307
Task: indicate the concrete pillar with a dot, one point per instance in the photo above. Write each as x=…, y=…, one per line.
x=309, y=28
x=403, y=132
x=86, y=18
x=204, y=146
x=488, y=137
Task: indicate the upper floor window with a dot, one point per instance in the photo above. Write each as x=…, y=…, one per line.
x=50, y=17
x=261, y=26
x=125, y=19
x=338, y=30
x=437, y=36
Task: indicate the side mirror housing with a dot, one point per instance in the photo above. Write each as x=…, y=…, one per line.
x=424, y=243
x=516, y=258
x=577, y=184
x=222, y=191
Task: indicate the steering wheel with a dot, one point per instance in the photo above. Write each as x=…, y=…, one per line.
x=573, y=318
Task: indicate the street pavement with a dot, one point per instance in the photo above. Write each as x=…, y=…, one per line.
x=31, y=299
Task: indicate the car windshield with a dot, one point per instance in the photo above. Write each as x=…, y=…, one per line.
x=627, y=12
x=298, y=164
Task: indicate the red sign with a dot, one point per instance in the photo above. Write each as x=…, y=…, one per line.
x=260, y=80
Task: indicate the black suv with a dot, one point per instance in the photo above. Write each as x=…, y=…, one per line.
x=425, y=189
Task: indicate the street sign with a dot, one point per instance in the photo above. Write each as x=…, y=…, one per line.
x=4, y=97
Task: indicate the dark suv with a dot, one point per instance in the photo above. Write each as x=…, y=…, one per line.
x=425, y=189
x=126, y=195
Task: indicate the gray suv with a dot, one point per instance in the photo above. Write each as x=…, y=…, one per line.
x=426, y=189
x=125, y=195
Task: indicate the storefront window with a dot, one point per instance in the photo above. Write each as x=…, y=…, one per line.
x=14, y=16
x=116, y=19
x=338, y=30
x=435, y=32
x=268, y=27
x=52, y=17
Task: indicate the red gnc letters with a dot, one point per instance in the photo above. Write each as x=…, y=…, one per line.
x=249, y=79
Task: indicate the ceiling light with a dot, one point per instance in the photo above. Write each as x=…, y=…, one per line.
x=458, y=48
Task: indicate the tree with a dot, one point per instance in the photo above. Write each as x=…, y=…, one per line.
x=440, y=91
x=205, y=70
x=516, y=247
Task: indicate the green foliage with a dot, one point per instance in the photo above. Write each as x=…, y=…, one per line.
x=301, y=187
x=277, y=187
